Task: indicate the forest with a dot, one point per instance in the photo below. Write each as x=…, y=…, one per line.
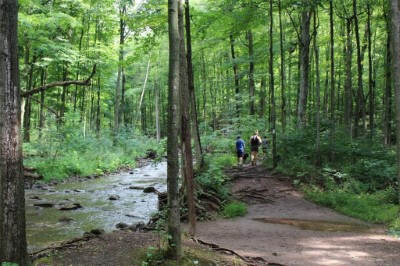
x=317, y=78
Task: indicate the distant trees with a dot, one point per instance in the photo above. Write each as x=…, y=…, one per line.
x=13, y=246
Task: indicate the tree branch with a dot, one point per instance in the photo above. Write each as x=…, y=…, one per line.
x=60, y=83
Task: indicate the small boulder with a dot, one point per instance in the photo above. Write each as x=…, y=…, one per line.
x=70, y=207
x=114, y=197
x=121, y=226
x=44, y=204
x=150, y=190
x=65, y=219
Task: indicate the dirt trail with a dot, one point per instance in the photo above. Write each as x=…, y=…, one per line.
x=282, y=227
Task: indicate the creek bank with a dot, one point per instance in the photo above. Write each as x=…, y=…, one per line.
x=65, y=210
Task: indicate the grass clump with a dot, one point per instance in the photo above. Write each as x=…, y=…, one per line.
x=234, y=209
x=375, y=207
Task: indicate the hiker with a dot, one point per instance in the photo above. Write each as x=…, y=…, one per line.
x=264, y=145
x=240, y=145
x=255, y=142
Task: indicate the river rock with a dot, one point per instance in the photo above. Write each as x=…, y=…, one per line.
x=71, y=207
x=114, y=197
x=44, y=204
x=136, y=187
x=35, y=198
x=121, y=226
x=150, y=190
x=98, y=231
x=65, y=219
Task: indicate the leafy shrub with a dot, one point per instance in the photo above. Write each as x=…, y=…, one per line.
x=234, y=209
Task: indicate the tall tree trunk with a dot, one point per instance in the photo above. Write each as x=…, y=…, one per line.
x=122, y=28
x=318, y=158
x=192, y=96
x=348, y=95
x=387, y=125
x=282, y=72
x=41, y=111
x=304, y=66
x=370, y=73
x=186, y=136
x=174, y=249
x=360, y=94
x=272, y=84
x=235, y=75
x=332, y=44
x=395, y=46
x=13, y=246
x=251, y=71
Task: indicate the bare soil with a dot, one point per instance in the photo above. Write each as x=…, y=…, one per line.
x=280, y=228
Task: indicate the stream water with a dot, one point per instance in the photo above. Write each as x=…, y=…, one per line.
x=47, y=224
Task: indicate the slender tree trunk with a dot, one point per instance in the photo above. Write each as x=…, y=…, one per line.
x=251, y=71
x=332, y=42
x=122, y=28
x=318, y=158
x=13, y=246
x=387, y=125
x=348, y=95
x=304, y=67
x=235, y=75
x=370, y=73
x=41, y=111
x=263, y=95
x=192, y=96
x=395, y=46
x=282, y=72
x=272, y=84
x=174, y=249
x=186, y=136
x=359, y=100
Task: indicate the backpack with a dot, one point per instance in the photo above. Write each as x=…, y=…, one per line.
x=254, y=141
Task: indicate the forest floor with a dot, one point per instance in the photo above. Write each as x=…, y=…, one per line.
x=280, y=228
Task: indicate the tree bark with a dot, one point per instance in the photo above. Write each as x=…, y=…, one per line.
x=186, y=136
x=360, y=93
x=318, y=158
x=304, y=67
x=13, y=245
x=348, y=95
x=282, y=72
x=388, y=116
x=332, y=44
x=192, y=96
x=272, y=84
x=174, y=249
x=251, y=72
x=235, y=75
x=395, y=46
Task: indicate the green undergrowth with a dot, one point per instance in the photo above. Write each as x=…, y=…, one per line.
x=234, y=209
x=66, y=152
x=379, y=207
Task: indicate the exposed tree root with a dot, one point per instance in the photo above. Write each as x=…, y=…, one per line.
x=251, y=261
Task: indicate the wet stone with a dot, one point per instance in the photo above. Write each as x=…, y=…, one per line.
x=114, y=197
x=44, y=204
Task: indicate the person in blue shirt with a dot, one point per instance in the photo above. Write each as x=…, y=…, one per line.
x=240, y=145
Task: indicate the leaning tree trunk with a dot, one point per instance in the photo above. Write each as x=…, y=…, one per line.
x=174, y=249
x=395, y=45
x=13, y=246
